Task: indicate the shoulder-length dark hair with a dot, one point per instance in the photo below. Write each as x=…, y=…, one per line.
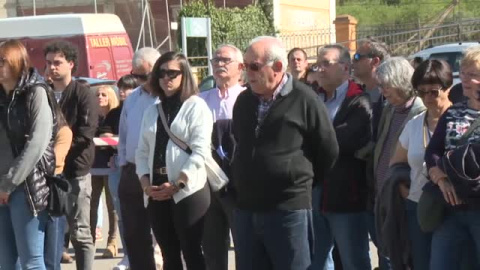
x=188, y=87
x=433, y=72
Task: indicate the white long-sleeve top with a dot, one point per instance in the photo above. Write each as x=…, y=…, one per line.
x=193, y=125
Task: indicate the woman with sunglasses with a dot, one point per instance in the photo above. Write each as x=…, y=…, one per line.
x=461, y=221
x=432, y=81
x=174, y=180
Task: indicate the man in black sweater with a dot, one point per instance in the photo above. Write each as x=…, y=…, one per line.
x=284, y=140
x=80, y=108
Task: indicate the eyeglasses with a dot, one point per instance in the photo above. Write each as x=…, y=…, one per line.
x=255, y=66
x=358, y=56
x=433, y=93
x=223, y=60
x=171, y=73
x=142, y=77
x=2, y=61
x=469, y=75
x=324, y=64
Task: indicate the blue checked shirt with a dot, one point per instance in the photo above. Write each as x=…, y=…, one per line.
x=264, y=105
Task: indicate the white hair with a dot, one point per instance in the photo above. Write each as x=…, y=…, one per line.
x=146, y=54
x=396, y=72
x=238, y=53
x=275, y=52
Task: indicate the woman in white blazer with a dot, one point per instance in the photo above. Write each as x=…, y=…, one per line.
x=174, y=181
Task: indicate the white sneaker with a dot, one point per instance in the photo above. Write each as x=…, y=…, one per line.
x=124, y=264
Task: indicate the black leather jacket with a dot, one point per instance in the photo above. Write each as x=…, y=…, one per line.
x=18, y=127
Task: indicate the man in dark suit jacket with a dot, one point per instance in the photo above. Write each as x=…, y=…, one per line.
x=343, y=193
x=284, y=138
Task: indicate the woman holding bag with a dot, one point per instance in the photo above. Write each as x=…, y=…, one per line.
x=461, y=221
x=432, y=81
x=174, y=180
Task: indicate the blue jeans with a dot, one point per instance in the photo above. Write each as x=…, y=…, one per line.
x=350, y=232
x=420, y=242
x=322, y=257
x=113, y=181
x=54, y=240
x=21, y=233
x=458, y=228
x=280, y=240
x=383, y=262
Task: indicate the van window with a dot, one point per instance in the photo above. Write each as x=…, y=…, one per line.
x=453, y=59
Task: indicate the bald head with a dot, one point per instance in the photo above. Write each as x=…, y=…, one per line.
x=266, y=63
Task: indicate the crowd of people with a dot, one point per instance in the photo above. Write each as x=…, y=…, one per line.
x=321, y=159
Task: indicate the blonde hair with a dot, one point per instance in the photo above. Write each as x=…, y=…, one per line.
x=471, y=57
x=112, y=96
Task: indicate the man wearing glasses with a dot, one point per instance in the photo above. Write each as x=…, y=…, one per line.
x=137, y=234
x=339, y=203
x=285, y=140
x=227, y=66
x=370, y=54
x=141, y=64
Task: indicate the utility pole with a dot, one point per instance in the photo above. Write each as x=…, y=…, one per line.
x=34, y=8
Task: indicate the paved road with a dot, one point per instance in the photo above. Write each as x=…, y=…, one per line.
x=108, y=264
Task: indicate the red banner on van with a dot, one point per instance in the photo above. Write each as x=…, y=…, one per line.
x=104, y=48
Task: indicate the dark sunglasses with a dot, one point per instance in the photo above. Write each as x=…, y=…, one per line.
x=254, y=66
x=359, y=56
x=142, y=77
x=433, y=93
x=171, y=73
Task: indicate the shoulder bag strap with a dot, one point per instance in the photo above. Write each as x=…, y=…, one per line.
x=172, y=136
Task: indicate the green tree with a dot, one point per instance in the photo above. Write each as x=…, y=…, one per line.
x=229, y=25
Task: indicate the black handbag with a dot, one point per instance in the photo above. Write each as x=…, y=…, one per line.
x=58, y=200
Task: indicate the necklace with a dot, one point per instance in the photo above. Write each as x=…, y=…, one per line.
x=426, y=131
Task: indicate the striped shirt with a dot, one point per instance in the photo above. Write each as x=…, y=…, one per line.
x=264, y=105
x=398, y=118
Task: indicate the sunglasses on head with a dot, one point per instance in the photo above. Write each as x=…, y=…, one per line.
x=254, y=66
x=171, y=73
x=142, y=77
x=358, y=56
x=433, y=93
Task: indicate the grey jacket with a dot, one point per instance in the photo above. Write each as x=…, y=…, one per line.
x=391, y=219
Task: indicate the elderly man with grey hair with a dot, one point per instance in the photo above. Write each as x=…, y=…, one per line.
x=142, y=63
x=137, y=233
x=227, y=65
x=285, y=142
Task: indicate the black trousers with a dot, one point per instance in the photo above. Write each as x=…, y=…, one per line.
x=216, y=234
x=135, y=221
x=178, y=229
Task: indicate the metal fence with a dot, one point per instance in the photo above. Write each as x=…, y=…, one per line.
x=308, y=40
x=410, y=38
